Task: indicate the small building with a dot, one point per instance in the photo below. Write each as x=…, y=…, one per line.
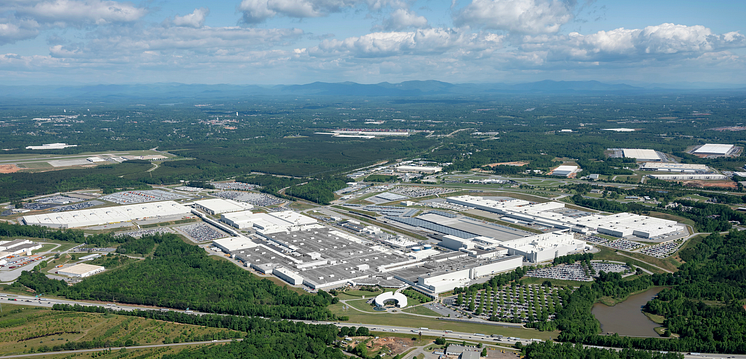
x=81, y=270
x=400, y=299
x=564, y=171
x=418, y=169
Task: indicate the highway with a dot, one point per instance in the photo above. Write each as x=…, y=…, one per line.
x=505, y=342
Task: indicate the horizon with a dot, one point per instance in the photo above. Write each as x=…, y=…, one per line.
x=83, y=42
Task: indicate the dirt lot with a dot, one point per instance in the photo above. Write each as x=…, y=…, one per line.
x=394, y=345
x=9, y=168
x=704, y=184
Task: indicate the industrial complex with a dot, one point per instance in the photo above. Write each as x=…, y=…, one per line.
x=306, y=251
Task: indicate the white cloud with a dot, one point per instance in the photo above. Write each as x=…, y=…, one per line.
x=257, y=11
x=77, y=13
x=10, y=32
x=424, y=41
x=660, y=41
x=195, y=19
x=522, y=16
x=402, y=19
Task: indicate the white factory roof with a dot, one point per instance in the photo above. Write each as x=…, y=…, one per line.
x=714, y=149
x=217, y=205
x=641, y=154
x=673, y=166
x=80, y=269
x=231, y=244
x=419, y=168
x=99, y=216
x=564, y=170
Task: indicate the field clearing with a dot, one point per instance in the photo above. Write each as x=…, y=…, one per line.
x=371, y=319
x=609, y=254
x=23, y=329
x=422, y=311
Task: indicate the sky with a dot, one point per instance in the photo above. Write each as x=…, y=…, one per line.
x=53, y=42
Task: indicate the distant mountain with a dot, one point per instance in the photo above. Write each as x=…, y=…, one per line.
x=177, y=91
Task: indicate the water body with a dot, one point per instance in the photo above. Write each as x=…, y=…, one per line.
x=626, y=318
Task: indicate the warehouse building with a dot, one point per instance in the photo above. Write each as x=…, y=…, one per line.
x=715, y=150
x=16, y=247
x=80, y=270
x=267, y=222
x=642, y=155
x=565, y=171
x=153, y=211
x=232, y=244
x=674, y=167
x=418, y=169
x=545, y=247
x=556, y=215
x=218, y=206
x=691, y=177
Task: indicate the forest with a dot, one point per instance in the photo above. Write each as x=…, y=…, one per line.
x=181, y=276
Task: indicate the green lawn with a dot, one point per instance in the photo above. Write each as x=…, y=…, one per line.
x=371, y=319
x=422, y=311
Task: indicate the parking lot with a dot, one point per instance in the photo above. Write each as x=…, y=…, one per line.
x=256, y=199
x=519, y=303
x=144, y=232
x=201, y=232
x=131, y=197
x=239, y=186
x=662, y=250
x=413, y=192
x=577, y=271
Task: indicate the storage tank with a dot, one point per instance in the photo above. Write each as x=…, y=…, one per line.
x=416, y=249
x=427, y=246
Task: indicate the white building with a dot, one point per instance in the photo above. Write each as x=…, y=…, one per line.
x=544, y=247
x=268, y=223
x=641, y=155
x=418, y=169
x=691, y=177
x=674, y=167
x=715, y=149
x=565, y=171
x=400, y=299
x=81, y=270
x=50, y=146
x=109, y=215
x=288, y=275
x=231, y=244
x=217, y=206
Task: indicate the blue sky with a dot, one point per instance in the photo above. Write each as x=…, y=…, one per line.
x=368, y=41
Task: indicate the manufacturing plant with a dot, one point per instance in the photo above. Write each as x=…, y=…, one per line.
x=642, y=155
x=16, y=247
x=691, y=177
x=565, y=171
x=675, y=167
x=80, y=270
x=555, y=215
x=301, y=251
x=157, y=211
x=218, y=206
x=713, y=150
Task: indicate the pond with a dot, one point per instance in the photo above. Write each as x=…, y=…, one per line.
x=626, y=318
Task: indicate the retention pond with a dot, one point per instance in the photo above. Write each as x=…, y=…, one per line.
x=626, y=318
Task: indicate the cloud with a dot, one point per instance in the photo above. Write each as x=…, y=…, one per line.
x=77, y=13
x=420, y=42
x=257, y=11
x=522, y=16
x=660, y=41
x=10, y=32
x=402, y=19
x=195, y=19
x=176, y=41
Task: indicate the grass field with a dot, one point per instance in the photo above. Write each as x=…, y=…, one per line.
x=24, y=329
x=609, y=254
x=422, y=311
x=371, y=319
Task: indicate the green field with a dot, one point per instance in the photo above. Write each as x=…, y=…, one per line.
x=422, y=311
x=25, y=329
x=371, y=319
